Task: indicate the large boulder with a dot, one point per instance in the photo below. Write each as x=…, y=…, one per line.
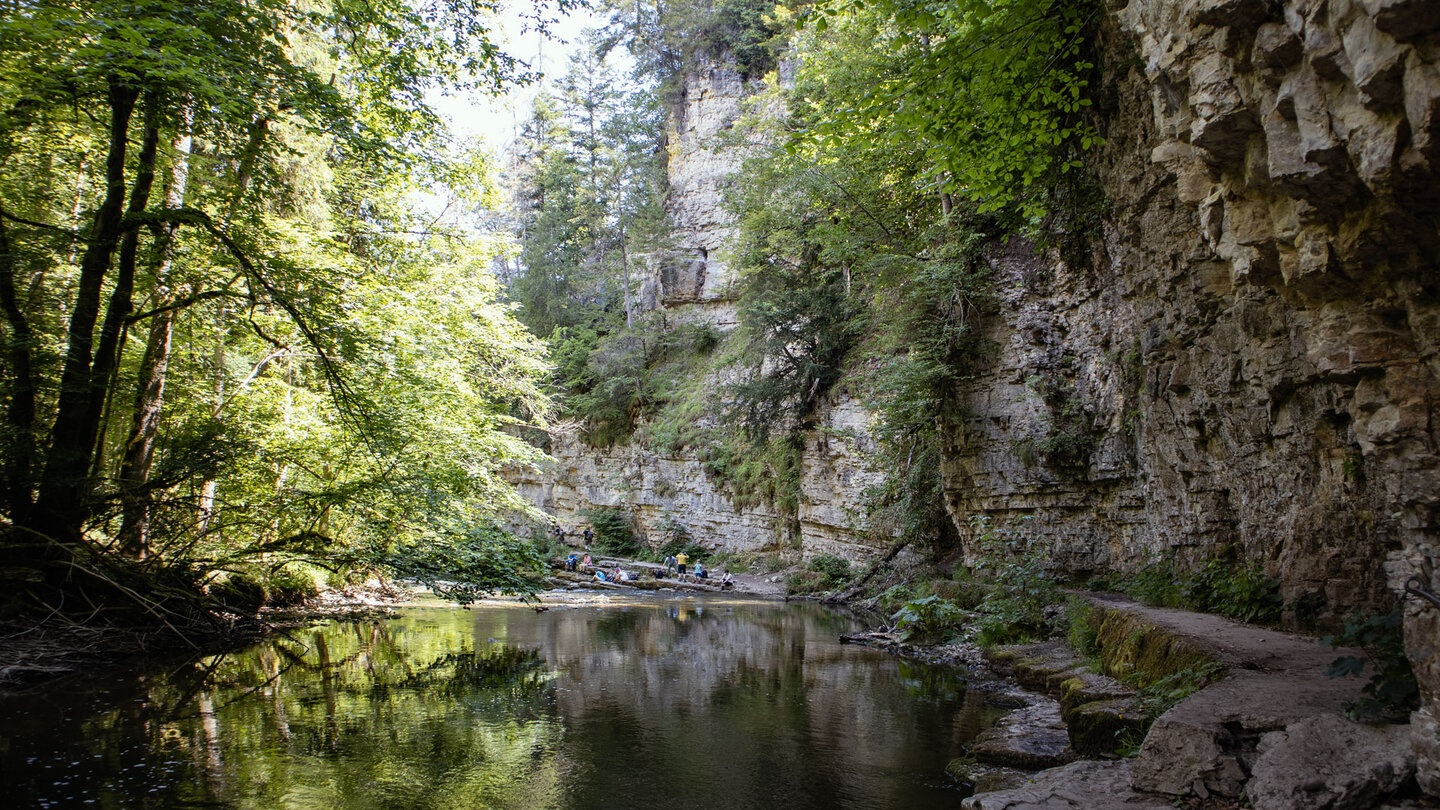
x=1330, y=762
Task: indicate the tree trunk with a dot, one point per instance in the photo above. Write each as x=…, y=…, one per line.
x=60, y=509
x=139, y=455
x=20, y=416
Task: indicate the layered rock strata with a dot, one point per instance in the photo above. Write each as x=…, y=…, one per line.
x=1245, y=364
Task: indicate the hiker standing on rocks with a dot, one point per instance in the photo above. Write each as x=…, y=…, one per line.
x=670, y=564
x=588, y=535
x=680, y=560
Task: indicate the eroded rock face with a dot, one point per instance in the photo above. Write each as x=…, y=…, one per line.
x=1329, y=762
x=660, y=490
x=694, y=283
x=1246, y=359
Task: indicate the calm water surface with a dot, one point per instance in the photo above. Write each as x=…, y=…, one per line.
x=609, y=703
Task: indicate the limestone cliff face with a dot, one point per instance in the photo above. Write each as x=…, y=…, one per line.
x=693, y=282
x=1247, y=359
x=697, y=272
x=660, y=490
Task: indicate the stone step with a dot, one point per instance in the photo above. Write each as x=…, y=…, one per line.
x=1029, y=738
x=1085, y=785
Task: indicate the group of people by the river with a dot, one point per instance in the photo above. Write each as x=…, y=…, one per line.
x=677, y=564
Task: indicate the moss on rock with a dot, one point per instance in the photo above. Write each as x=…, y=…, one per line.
x=1141, y=653
x=1102, y=727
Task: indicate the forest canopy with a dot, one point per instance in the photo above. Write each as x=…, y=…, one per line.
x=232, y=344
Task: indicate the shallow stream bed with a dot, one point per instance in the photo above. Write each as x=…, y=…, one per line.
x=644, y=701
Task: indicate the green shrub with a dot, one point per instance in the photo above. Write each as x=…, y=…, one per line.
x=1218, y=586
x=1246, y=594
x=802, y=583
x=1155, y=584
x=928, y=620
x=290, y=586
x=614, y=530
x=1161, y=695
x=892, y=598
x=1392, y=690
x=835, y=569
x=1020, y=588
x=239, y=591
x=1080, y=628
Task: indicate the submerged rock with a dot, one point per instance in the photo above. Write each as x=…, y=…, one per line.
x=980, y=778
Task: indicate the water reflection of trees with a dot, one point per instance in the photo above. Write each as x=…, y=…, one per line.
x=706, y=705
x=350, y=715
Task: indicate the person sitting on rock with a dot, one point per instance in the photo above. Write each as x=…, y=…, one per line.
x=727, y=580
x=585, y=564
x=571, y=561
x=700, y=572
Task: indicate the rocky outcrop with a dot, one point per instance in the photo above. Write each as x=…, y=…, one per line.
x=661, y=491
x=1246, y=360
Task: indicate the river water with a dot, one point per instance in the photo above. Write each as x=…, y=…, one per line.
x=640, y=701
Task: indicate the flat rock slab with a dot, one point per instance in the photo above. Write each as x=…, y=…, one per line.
x=1029, y=738
x=1041, y=667
x=1207, y=744
x=1080, y=786
x=1330, y=763
x=1089, y=687
x=1231, y=643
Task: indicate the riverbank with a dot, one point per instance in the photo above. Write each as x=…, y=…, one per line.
x=1246, y=717
x=33, y=654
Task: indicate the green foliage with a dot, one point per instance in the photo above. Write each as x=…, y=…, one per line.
x=665, y=38
x=836, y=569
x=240, y=591
x=928, y=620
x=1218, y=586
x=1246, y=594
x=250, y=350
x=291, y=585
x=1392, y=690
x=823, y=573
x=1067, y=439
x=1021, y=588
x=614, y=530
x=994, y=93
x=1161, y=695
x=465, y=566
x=1080, y=629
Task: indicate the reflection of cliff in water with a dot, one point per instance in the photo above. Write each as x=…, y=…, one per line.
x=660, y=703
x=727, y=696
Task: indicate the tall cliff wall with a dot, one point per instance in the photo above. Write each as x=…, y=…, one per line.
x=693, y=282
x=1246, y=361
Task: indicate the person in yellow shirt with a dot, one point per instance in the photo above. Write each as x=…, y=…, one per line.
x=680, y=560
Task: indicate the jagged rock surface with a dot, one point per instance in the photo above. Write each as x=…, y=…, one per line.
x=1246, y=358
x=1363, y=764
x=1079, y=786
